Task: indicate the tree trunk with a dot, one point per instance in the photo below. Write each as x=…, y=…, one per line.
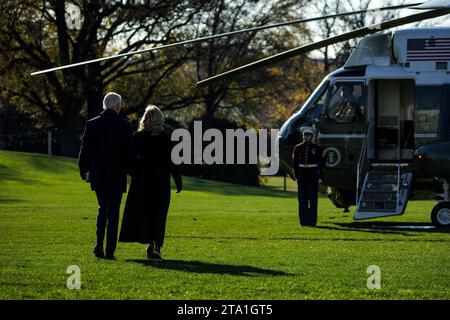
x=70, y=138
x=94, y=100
x=70, y=127
x=93, y=88
x=210, y=107
x=71, y=131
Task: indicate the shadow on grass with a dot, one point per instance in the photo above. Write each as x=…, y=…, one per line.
x=308, y=238
x=278, y=189
x=36, y=164
x=230, y=189
x=42, y=162
x=402, y=228
x=203, y=267
x=6, y=200
x=12, y=174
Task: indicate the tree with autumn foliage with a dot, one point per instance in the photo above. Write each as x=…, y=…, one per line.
x=37, y=35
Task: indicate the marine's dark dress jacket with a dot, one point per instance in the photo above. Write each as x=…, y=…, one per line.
x=148, y=199
x=308, y=162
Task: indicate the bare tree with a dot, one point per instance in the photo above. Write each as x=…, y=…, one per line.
x=335, y=55
x=213, y=57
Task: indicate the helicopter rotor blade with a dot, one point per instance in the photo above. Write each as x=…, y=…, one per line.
x=227, y=34
x=323, y=43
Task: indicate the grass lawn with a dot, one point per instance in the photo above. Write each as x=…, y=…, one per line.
x=277, y=183
x=223, y=241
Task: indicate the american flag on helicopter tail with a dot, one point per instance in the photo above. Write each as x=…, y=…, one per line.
x=432, y=49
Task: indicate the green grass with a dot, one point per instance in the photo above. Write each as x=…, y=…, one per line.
x=223, y=242
x=277, y=183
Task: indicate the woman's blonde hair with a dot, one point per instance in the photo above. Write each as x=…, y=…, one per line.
x=152, y=120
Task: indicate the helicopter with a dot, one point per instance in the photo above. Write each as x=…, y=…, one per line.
x=386, y=114
x=383, y=118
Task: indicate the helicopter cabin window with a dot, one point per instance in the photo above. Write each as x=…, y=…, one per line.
x=346, y=103
x=428, y=102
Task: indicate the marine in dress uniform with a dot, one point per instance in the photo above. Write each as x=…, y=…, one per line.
x=308, y=163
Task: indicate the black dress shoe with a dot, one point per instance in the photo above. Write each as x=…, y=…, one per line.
x=150, y=251
x=98, y=251
x=157, y=255
x=110, y=257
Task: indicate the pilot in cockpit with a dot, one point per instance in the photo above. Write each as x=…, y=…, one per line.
x=351, y=106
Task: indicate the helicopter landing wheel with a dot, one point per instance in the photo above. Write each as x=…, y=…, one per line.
x=440, y=216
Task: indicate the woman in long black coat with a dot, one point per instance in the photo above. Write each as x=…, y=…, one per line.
x=144, y=218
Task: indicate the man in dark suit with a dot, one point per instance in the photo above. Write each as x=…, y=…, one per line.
x=104, y=161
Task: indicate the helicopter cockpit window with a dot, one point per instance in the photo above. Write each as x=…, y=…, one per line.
x=346, y=103
x=314, y=110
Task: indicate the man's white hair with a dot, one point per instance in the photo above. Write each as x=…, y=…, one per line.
x=112, y=100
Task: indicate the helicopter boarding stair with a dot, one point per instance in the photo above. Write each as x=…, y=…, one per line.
x=385, y=189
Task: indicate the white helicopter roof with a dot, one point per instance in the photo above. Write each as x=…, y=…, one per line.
x=394, y=71
x=415, y=50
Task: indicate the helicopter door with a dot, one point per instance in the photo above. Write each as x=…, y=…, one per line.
x=392, y=116
x=342, y=131
x=390, y=143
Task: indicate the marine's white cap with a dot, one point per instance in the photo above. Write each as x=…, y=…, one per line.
x=304, y=130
